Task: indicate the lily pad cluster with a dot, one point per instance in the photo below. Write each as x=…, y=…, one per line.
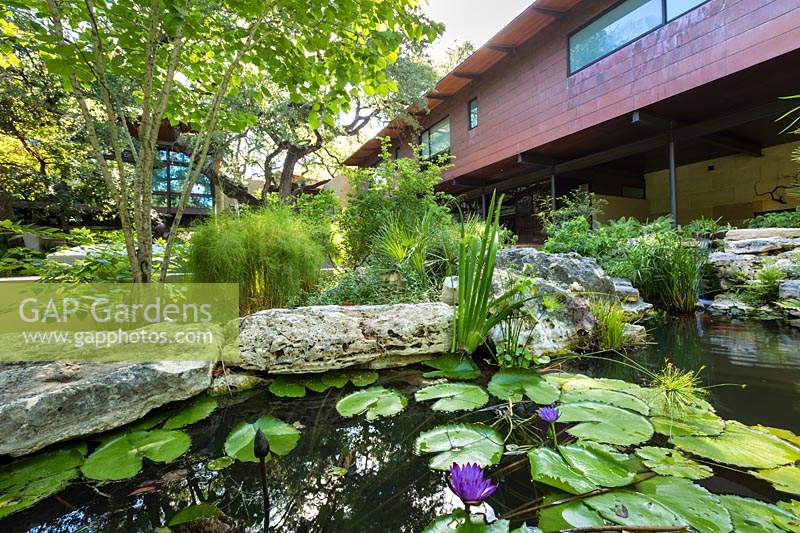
x=295, y=386
x=118, y=456
x=628, y=457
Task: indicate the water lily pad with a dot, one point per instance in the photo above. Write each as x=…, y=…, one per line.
x=453, y=396
x=753, y=516
x=549, y=468
x=513, y=383
x=121, y=457
x=691, y=503
x=743, y=446
x=460, y=443
x=669, y=462
x=584, y=382
x=220, y=463
x=282, y=438
x=452, y=366
x=628, y=508
x=597, y=464
x=606, y=423
x=359, y=378
x=374, y=401
x=191, y=414
x=783, y=478
x=459, y=521
x=611, y=397
x=288, y=387
x=784, y=434
x=568, y=515
x=194, y=512
x=26, y=481
x=690, y=423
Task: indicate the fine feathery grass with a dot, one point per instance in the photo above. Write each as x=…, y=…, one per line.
x=270, y=253
x=766, y=287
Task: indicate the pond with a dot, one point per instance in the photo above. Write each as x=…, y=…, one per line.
x=386, y=487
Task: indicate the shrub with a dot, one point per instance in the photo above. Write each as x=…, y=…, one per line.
x=666, y=269
x=366, y=286
x=783, y=219
x=271, y=253
x=397, y=189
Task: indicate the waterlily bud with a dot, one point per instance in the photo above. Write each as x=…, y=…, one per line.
x=260, y=445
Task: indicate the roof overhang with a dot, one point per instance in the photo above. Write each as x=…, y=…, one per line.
x=536, y=17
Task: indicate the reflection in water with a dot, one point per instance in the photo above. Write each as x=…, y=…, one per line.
x=763, y=356
x=387, y=488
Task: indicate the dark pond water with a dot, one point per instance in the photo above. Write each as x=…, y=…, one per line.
x=387, y=487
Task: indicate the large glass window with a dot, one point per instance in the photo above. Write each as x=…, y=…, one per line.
x=436, y=139
x=623, y=24
x=169, y=178
x=472, y=113
x=676, y=8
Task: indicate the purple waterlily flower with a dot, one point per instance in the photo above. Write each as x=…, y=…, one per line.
x=549, y=414
x=468, y=483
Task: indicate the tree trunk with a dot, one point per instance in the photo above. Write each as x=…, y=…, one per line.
x=292, y=157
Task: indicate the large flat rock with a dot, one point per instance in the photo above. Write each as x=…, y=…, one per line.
x=762, y=233
x=45, y=403
x=761, y=245
x=321, y=338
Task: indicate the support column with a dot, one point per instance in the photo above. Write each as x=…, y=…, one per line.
x=553, y=191
x=673, y=183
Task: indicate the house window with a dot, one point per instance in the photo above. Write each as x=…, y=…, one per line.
x=472, y=113
x=436, y=139
x=169, y=178
x=621, y=25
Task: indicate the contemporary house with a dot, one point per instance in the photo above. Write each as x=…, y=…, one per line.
x=659, y=106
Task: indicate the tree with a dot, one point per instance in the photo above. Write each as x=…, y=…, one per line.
x=187, y=58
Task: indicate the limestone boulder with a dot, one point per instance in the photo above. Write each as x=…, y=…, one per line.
x=761, y=245
x=321, y=338
x=580, y=274
x=45, y=403
x=789, y=289
x=761, y=233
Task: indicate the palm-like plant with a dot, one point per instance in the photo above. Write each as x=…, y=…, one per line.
x=477, y=311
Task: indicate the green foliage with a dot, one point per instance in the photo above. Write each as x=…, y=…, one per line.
x=397, y=191
x=194, y=512
x=606, y=423
x=452, y=366
x=662, y=262
x=783, y=478
x=191, y=414
x=367, y=286
x=295, y=386
x=666, y=269
x=460, y=521
x=269, y=252
x=754, y=516
x=782, y=219
x=477, y=311
x=121, y=456
x=676, y=391
x=704, y=228
x=577, y=204
x=764, y=290
x=374, y=401
x=579, y=468
x=460, y=443
x=282, y=438
x=513, y=383
x=610, y=331
x=453, y=396
x=509, y=351
x=742, y=446
x=26, y=481
x=669, y=462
